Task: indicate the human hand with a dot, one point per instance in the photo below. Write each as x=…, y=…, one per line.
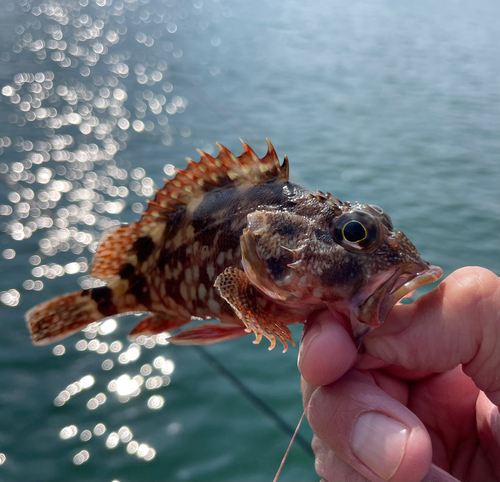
x=422, y=402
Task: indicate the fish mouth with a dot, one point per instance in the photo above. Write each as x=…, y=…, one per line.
x=374, y=310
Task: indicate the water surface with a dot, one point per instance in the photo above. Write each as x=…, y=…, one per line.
x=392, y=103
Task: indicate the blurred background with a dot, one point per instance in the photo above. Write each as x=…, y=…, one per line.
x=389, y=102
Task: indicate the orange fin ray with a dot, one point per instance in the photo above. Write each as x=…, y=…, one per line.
x=208, y=334
x=113, y=249
x=212, y=173
x=122, y=245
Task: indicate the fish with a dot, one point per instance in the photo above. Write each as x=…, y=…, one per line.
x=232, y=239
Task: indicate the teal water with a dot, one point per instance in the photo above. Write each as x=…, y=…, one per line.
x=388, y=102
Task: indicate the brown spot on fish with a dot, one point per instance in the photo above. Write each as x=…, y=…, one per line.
x=215, y=208
x=127, y=271
x=287, y=229
x=103, y=296
x=196, y=273
x=338, y=275
x=324, y=236
x=140, y=290
x=144, y=247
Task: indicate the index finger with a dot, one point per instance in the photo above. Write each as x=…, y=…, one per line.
x=326, y=351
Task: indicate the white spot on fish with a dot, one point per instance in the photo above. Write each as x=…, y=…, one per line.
x=184, y=291
x=157, y=233
x=163, y=290
x=211, y=271
x=178, y=270
x=318, y=291
x=170, y=302
x=202, y=292
x=220, y=258
x=205, y=252
x=214, y=306
x=188, y=275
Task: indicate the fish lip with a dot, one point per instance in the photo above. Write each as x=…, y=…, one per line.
x=375, y=309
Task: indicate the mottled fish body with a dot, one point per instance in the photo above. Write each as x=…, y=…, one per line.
x=231, y=238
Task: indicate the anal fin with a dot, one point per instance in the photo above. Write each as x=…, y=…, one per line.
x=154, y=324
x=259, y=314
x=208, y=334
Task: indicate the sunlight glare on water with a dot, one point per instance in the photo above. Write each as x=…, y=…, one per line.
x=66, y=173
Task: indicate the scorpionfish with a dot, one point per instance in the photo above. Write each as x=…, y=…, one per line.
x=231, y=238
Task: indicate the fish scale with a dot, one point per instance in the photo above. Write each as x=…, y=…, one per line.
x=231, y=238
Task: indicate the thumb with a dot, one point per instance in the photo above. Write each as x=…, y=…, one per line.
x=456, y=323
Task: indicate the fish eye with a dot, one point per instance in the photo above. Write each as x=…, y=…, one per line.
x=356, y=231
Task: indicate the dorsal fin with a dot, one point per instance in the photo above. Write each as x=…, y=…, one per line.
x=213, y=173
x=124, y=246
x=113, y=250
x=121, y=245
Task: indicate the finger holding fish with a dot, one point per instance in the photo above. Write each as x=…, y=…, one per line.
x=423, y=369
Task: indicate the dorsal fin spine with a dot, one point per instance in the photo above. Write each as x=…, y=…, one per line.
x=250, y=151
x=229, y=154
x=285, y=168
x=211, y=173
x=204, y=155
x=271, y=152
x=187, y=175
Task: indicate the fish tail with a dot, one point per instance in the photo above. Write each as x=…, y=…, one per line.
x=64, y=315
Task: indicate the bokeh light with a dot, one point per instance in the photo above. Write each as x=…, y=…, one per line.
x=96, y=77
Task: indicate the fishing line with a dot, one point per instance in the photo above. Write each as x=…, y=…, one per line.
x=288, y=430
x=295, y=434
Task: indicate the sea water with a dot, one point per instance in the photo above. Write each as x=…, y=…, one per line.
x=387, y=102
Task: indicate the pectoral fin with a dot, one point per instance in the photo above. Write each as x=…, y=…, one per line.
x=260, y=315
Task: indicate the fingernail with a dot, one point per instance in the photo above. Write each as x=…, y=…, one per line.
x=312, y=333
x=379, y=442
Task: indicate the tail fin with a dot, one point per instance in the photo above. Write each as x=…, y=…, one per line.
x=64, y=315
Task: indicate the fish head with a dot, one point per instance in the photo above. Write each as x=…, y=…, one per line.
x=348, y=257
